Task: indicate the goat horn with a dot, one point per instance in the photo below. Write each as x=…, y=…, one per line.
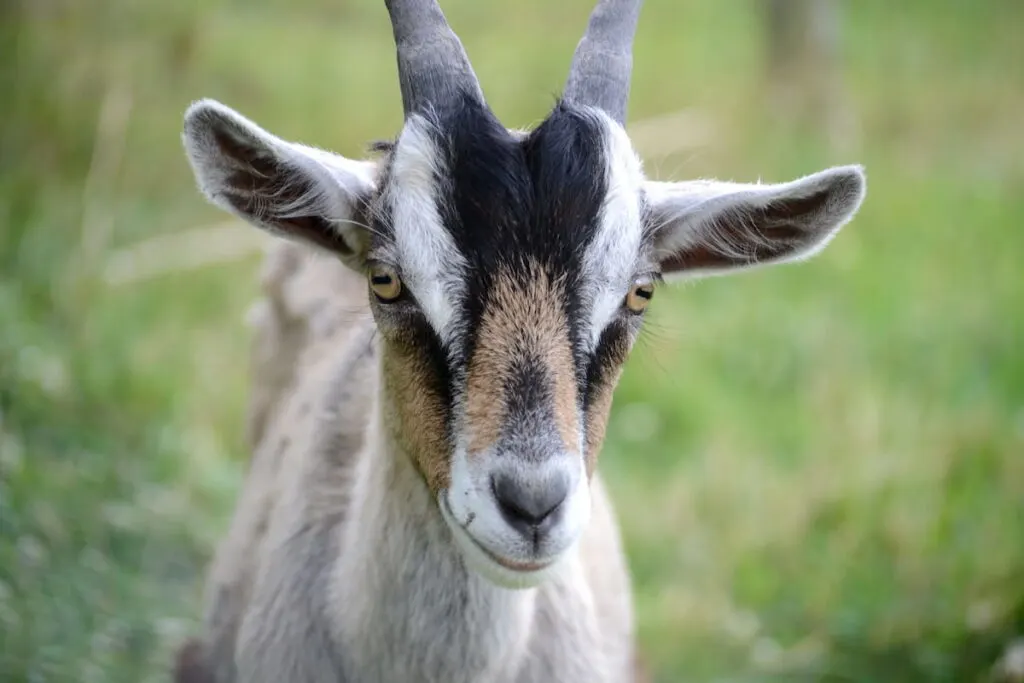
x=603, y=61
x=433, y=68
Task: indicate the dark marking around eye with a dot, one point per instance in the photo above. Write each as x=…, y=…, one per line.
x=611, y=352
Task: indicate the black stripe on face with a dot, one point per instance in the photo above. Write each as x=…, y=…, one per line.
x=529, y=387
x=510, y=202
x=609, y=355
x=599, y=385
x=529, y=410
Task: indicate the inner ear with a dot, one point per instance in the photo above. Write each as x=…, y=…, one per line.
x=286, y=188
x=255, y=168
x=705, y=227
x=789, y=218
x=268, y=187
x=749, y=235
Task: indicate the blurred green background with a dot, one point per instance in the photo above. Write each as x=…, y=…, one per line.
x=819, y=468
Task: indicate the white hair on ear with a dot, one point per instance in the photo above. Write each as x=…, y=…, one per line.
x=708, y=226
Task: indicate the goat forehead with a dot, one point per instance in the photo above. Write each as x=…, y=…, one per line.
x=470, y=199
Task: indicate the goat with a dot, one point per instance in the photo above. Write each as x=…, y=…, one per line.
x=423, y=501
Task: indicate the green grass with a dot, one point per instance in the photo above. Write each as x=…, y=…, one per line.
x=819, y=468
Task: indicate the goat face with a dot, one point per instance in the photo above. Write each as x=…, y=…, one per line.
x=509, y=273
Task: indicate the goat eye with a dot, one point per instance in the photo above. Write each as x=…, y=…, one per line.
x=639, y=296
x=385, y=283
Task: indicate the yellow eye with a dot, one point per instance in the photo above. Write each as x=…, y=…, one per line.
x=385, y=283
x=639, y=296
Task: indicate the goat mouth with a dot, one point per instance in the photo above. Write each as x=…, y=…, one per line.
x=515, y=566
x=522, y=567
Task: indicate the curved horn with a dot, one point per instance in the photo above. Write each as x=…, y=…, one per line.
x=603, y=61
x=432, y=64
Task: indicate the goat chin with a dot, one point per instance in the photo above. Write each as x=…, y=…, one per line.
x=479, y=561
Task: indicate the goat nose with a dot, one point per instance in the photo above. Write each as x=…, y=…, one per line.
x=530, y=506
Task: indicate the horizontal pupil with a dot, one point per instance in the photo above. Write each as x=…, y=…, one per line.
x=381, y=279
x=645, y=293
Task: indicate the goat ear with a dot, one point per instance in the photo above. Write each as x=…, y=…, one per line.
x=711, y=227
x=283, y=187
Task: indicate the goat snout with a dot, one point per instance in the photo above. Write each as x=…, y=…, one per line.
x=516, y=517
x=531, y=505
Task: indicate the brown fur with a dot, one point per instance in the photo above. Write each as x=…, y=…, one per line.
x=418, y=413
x=521, y=319
x=597, y=419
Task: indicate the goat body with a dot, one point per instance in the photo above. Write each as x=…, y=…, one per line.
x=436, y=352
x=338, y=565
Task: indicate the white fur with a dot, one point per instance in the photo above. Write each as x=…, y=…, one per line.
x=611, y=258
x=483, y=534
x=431, y=265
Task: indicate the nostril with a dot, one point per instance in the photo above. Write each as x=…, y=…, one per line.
x=528, y=505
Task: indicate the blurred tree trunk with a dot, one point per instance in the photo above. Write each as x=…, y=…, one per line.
x=803, y=67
